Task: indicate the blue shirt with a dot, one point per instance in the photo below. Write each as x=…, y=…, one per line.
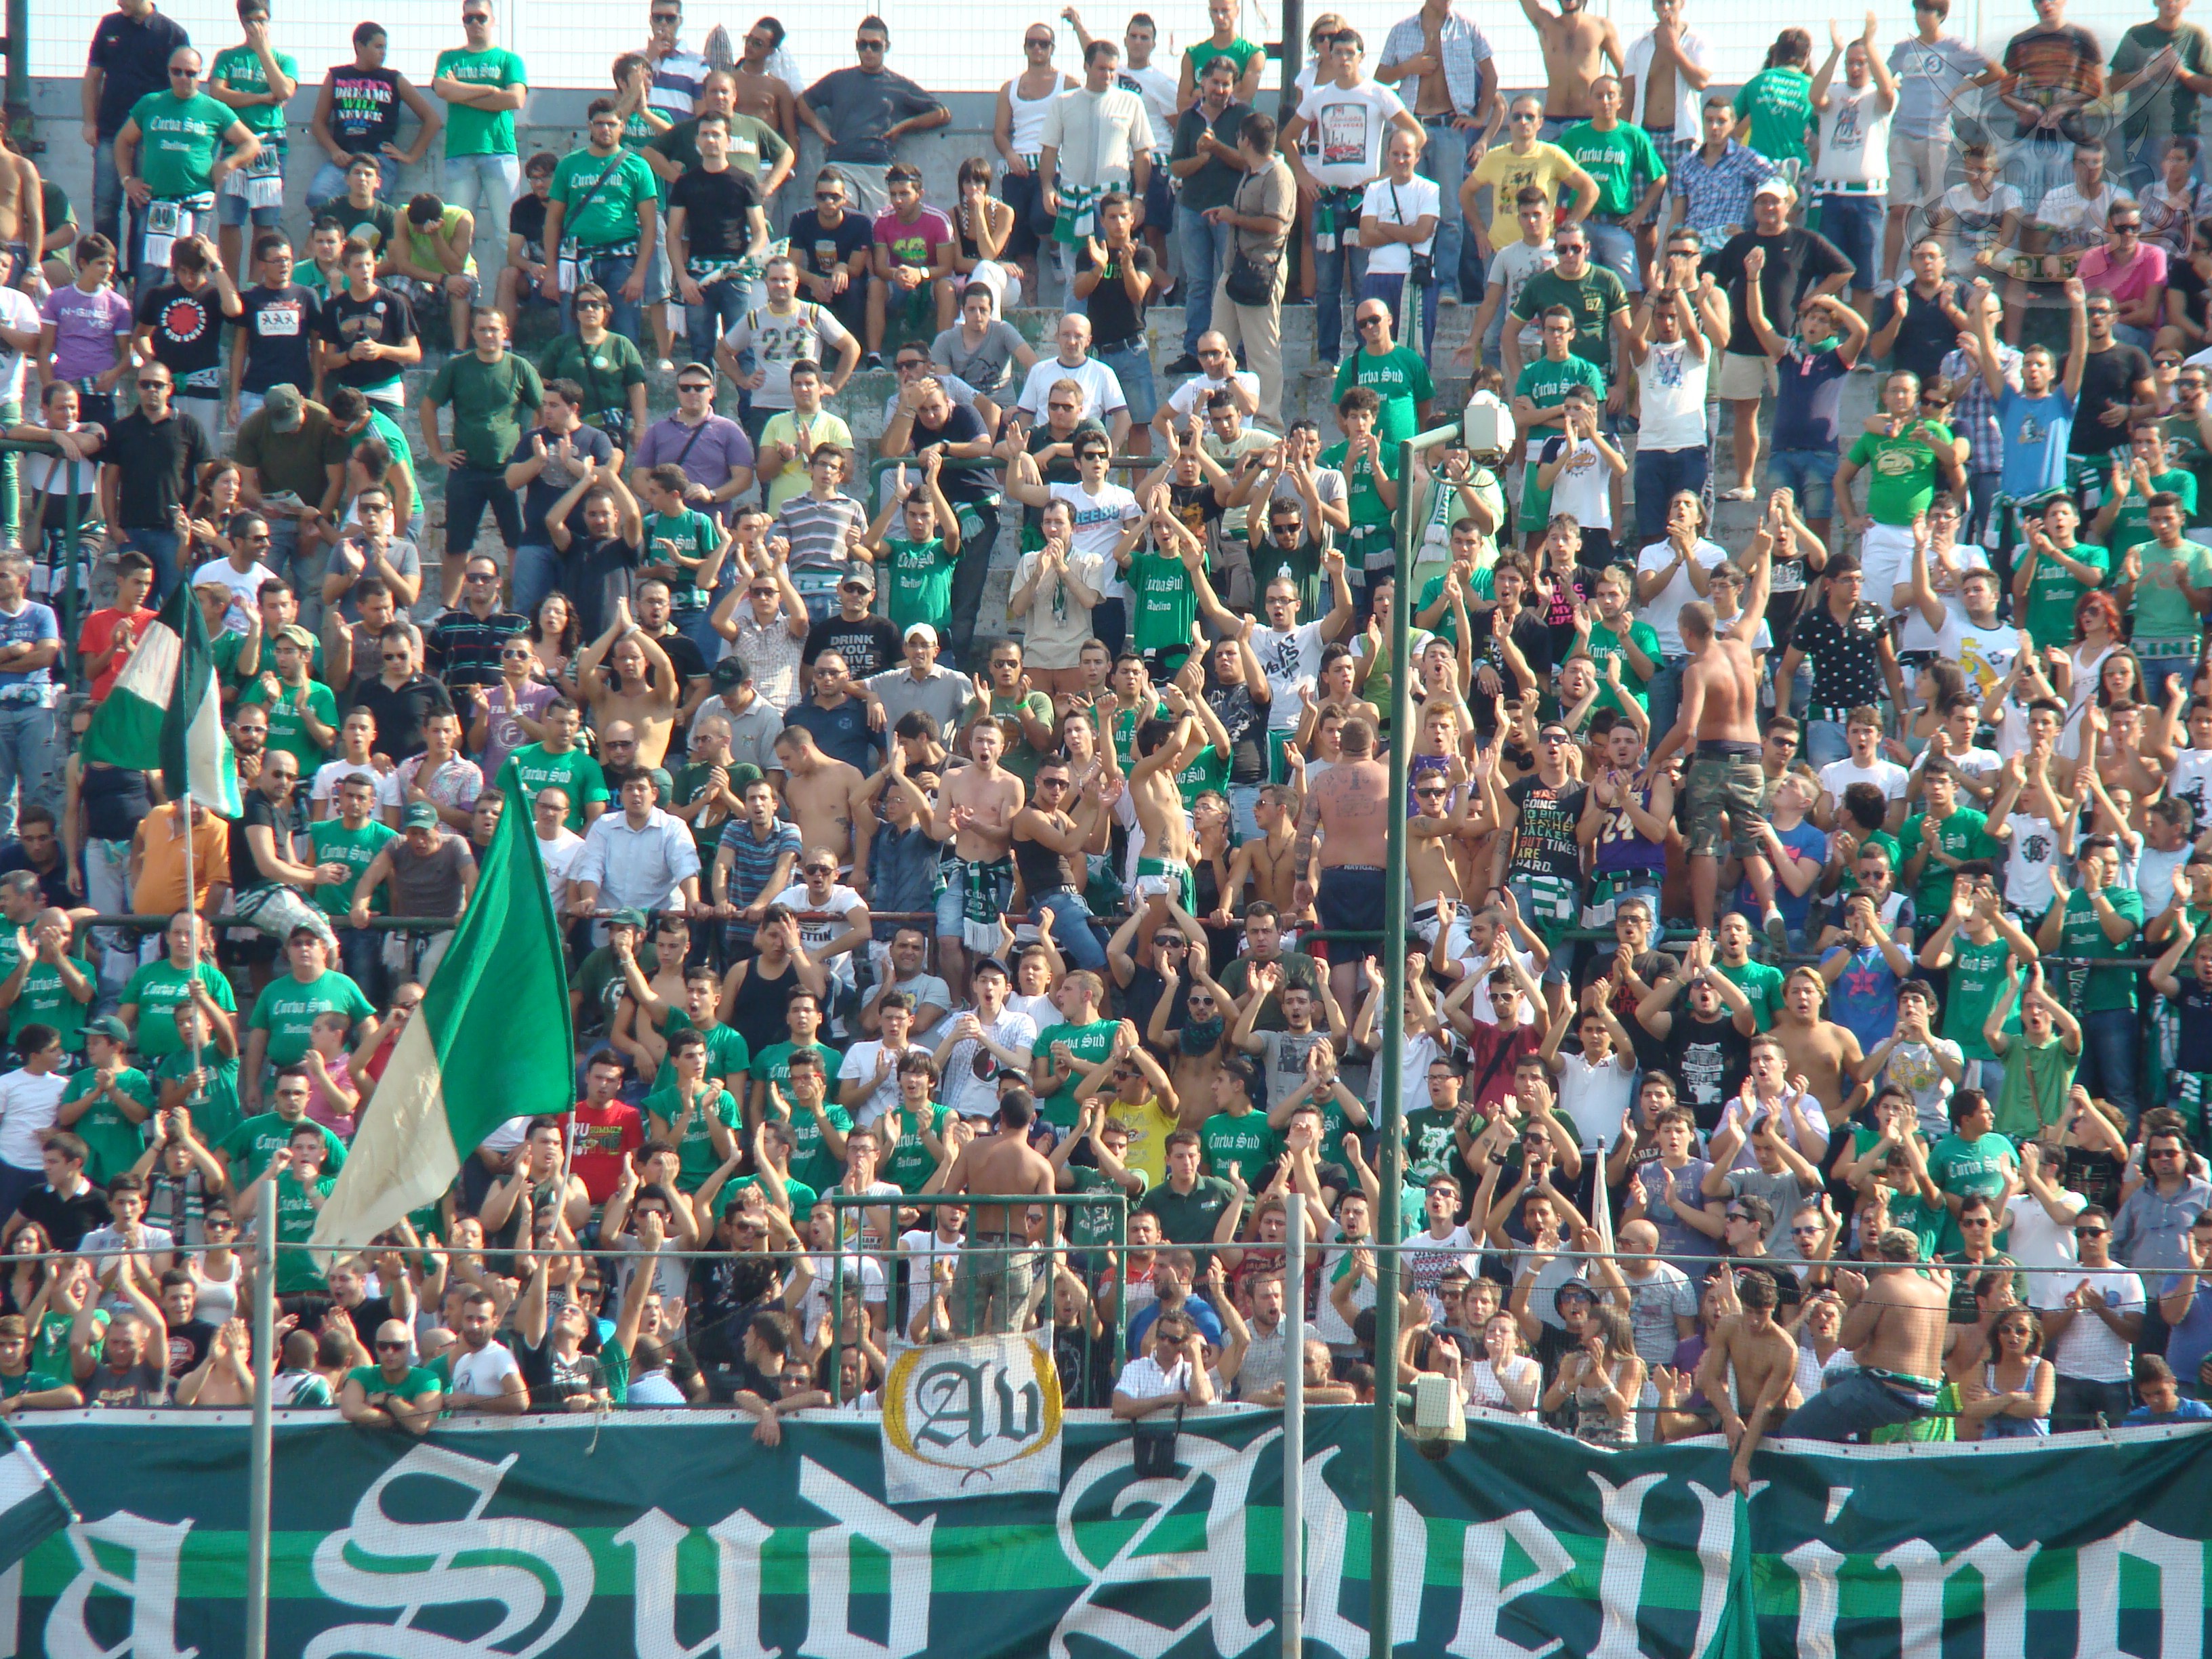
x=34, y=623
x=1863, y=1000
x=1207, y=1322
x=2189, y=1342
x=2185, y=1411
x=2036, y=431
x=1807, y=842
x=1809, y=397
x=752, y=860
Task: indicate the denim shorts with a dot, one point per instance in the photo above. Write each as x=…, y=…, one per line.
x=1133, y=367
x=1807, y=474
x=1853, y=222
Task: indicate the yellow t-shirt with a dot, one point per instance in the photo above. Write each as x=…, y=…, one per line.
x=784, y=427
x=1507, y=175
x=1150, y=1124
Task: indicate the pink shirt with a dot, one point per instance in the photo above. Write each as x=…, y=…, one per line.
x=323, y=1109
x=2125, y=283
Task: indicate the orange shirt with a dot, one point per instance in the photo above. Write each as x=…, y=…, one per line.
x=161, y=887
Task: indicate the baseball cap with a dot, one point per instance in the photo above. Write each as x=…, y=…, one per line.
x=628, y=918
x=298, y=636
x=728, y=672
x=420, y=815
x=108, y=1026
x=859, y=572
x=927, y=633
x=981, y=962
x=286, y=407
x=1771, y=187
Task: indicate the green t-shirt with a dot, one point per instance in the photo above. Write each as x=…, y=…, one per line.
x=1978, y=977
x=2162, y=612
x=287, y=728
x=1432, y=1148
x=1616, y=160
x=296, y=1212
x=534, y=767
x=1362, y=498
x=1189, y=1219
x=2131, y=525
x=1400, y=377
x=601, y=194
x=287, y=1010
x=240, y=69
x=921, y=576
x=812, y=1160
x=225, y=648
x=1239, y=1140
x=157, y=989
x=1779, y=101
x=1209, y=771
x=1963, y=834
x=1545, y=383
x=180, y=139
x=113, y=1142
x=1089, y=1225
x=2052, y=590
x=255, y=1140
x=46, y=1000
x=1089, y=1044
x=2037, y=1081
x=29, y=1382
x=480, y=131
x=1901, y=472
x=696, y=1146
x=1605, y=645
x=605, y=371
x=486, y=402
x=1967, y=1168
x=215, y=1115
x=356, y=849
x=911, y=1165
x=1924, y=1220
x=1596, y=299
x=1239, y=51
x=2098, y=990
x=1163, y=603
x=1762, y=984
x=693, y=535
x=420, y=1379
x=727, y=1056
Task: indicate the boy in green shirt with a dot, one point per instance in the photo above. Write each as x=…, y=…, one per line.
x=2055, y=573
x=818, y=1125
x=250, y=1147
x=48, y=987
x=771, y=1067
x=289, y=1195
x=560, y=762
x=1370, y=479
x=2165, y=583
x=201, y=1076
x=257, y=82
x=352, y=839
x=683, y=545
x=1774, y=113
x=691, y=1112
x=1063, y=1053
x=158, y=991
x=108, y=1103
x=1616, y=154
x=1907, y=464
x=1163, y=580
x=303, y=713
x=1537, y=402
x=2099, y=919
x=1940, y=839
x=2124, y=521
x=919, y=562
x=485, y=85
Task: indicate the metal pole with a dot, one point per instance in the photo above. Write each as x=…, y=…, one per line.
x=1384, y=1487
x=1293, y=58
x=264, y=1340
x=1294, y=1425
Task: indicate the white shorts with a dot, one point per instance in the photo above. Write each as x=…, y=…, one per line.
x=1744, y=379
x=1460, y=944
x=1918, y=169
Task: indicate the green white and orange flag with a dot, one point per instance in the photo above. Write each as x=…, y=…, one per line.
x=491, y=1042
x=164, y=713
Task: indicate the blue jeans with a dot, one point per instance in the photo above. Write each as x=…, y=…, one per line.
x=469, y=490
x=1243, y=797
x=302, y=567
x=1133, y=367
x=1661, y=474
x=1391, y=288
x=1444, y=158
x=1072, y=931
x=1852, y=1407
x=1204, y=248
x=1334, y=270
x=721, y=304
x=1664, y=696
x=1854, y=224
x=625, y=317
x=1613, y=246
x=2160, y=670
x=1807, y=474
x=1824, y=742
x=107, y=193
x=538, y=572
x=161, y=546
x=30, y=759
x=485, y=185
x=2109, y=1038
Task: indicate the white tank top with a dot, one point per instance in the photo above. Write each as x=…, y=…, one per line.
x=1026, y=135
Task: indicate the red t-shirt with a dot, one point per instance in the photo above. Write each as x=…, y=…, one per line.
x=600, y=1139
x=99, y=629
x=1492, y=1055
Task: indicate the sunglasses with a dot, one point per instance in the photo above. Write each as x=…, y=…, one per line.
x=153, y=386
x=694, y=386
x=184, y=74
x=591, y=304
x=829, y=195
x=391, y=1347
x=2091, y=1232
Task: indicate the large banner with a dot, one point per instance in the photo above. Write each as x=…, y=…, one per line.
x=669, y=1536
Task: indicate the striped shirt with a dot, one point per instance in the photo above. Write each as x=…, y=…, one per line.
x=753, y=860
x=1719, y=192
x=1463, y=48
x=464, y=649
x=816, y=528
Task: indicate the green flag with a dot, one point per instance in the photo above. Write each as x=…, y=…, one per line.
x=165, y=712
x=491, y=1042
x=1736, y=1635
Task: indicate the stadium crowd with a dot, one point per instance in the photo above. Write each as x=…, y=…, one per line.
x=1804, y=1026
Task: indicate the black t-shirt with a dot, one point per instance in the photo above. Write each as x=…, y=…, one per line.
x=553, y=481
x=384, y=317
x=1924, y=337
x=144, y=1384
x=1143, y=994
x=527, y=219
x=260, y=812
x=1709, y=1063
x=1846, y=657
x=375, y=224
x=553, y=1381
x=686, y=658
x=2108, y=377
x=820, y=249
x=133, y=58
x=597, y=575
x=715, y=206
x=53, y=883
x=400, y=711
x=1114, y=315
x=1544, y=841
x=1241, y=718
x=1651, y=967
x=963, y=486
x=869, y=646
x=2181, y=276
x=187, y=334
x=188, y=1345
x=1797, y=261
x=364, y=109
x=1532, y=637
x=66, y=1220
x=277, y=326
x=158, y=461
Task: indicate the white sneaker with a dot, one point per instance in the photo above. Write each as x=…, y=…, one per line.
x=666, y=366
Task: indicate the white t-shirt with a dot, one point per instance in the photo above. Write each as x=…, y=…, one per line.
x=2192, y=780
x=1663, y=610
x=245, y=587
x=1918, y=635
x=1099, y=524
x=2031, y=1235
x=1190, y=397
x=16, y=312
x=864, y=1276
x=1394, y=203
x=1157, y=87
x=1595, y=1098
x=1143, y=1379
x=1480, y=1009
x=831, y=913
x=1431, y=1258
x=1673, y=384
x=1347, y=126
x=1289, y=658
x=483, y=1373
x=2089, y=1349
x=330, y=773
x=560, y=856
x=655, y=1389
x=1886, y=775
x=1854, y=135
x=1102, y=390
x=1581, y=486
x=27, y=1104
x=1986, y=653
x=921, y=1249
x=858, y=1066
x=2034, y=846
x=970, y=1087
x=1914, y=1066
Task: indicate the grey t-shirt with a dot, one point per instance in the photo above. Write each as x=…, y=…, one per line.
x=1676, y=1236
x=859, y=107
x=989, y=367
x=428, y=886
x=1927, y=80
x=1782, y=1192
x=1283, y=1060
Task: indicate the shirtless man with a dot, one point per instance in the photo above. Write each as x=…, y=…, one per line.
x=828, y=800
x=1574, y=43
x=1719, y=724
x=1894, y=1326
x=1049, y=844
x=1266, y=863
x=976, y=808
x=1162, y=749
x=759, y=92
x=1350, y=807
x=1749, y=1348
x=22, y=221
x=1818, y=1050
x=992, y=1291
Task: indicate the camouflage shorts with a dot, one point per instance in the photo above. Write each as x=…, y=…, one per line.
x=1730, y=784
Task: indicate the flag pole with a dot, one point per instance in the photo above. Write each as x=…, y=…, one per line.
x=257, y=1514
